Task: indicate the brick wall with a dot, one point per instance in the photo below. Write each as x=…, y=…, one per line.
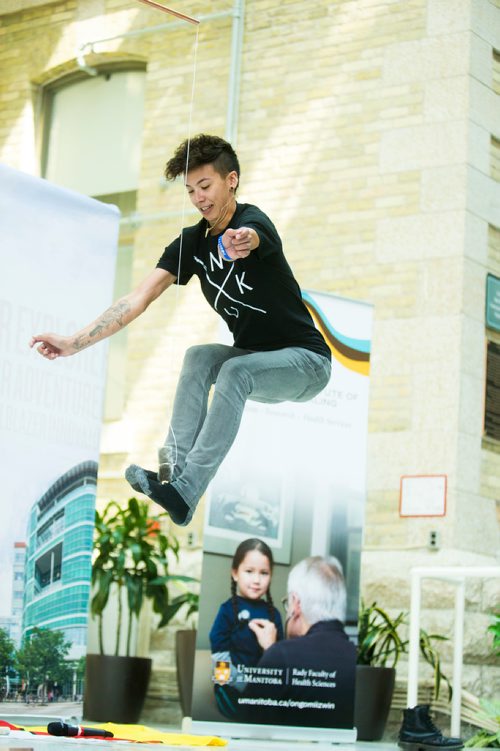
x=365, y=130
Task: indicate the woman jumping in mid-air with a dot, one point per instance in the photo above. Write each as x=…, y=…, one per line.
x=278, y=354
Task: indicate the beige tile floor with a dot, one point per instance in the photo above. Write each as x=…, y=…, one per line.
x=44, y=743
x=21, y=714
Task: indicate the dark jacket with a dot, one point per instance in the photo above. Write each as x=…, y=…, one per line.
x=307, y=681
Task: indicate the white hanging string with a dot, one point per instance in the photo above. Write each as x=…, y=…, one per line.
x=184, y=203
x=192, y=20
x=189, y=136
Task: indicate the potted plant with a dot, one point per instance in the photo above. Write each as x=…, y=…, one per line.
x=379, y=649
x=132, y=556
x=380, y=646
x=486, y=712
x=185, y=649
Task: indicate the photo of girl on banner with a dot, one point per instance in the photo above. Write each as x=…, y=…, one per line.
x=306, y=463
x=310, y=672
x=234, y=644
x=309, y=675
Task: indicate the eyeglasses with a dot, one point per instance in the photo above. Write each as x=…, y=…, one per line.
x=284, y=602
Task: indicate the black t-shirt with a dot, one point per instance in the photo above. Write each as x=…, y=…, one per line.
x=258, y=296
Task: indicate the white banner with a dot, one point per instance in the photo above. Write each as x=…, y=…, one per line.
x=58, y=256
x=296, y=479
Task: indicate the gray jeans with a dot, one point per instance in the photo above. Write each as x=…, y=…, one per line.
x=200, y=437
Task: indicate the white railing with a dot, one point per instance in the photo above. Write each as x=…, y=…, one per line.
x=455, y=575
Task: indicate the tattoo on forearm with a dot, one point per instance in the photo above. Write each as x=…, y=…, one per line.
x=78, y=343
x=112, y=315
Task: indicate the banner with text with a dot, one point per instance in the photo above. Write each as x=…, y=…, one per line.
x=58, y=260
x=295, y=479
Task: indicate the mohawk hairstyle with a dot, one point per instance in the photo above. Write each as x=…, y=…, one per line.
x=203, y=149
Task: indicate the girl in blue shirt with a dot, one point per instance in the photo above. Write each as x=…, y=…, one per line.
x=232, y=640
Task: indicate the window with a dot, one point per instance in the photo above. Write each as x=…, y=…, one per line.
x=94, y=135
x=92, y=144
x=492, y=402
x=48, y=567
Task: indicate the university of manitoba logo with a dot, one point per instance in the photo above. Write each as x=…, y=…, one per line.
x=222, y=672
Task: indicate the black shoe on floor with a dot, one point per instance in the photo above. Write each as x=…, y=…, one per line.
x=163, y=494
x=418, y=732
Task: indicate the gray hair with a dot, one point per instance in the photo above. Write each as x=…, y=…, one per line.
x=319, y=584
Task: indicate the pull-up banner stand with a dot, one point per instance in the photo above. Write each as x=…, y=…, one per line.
x=58, y=254
x=295, y=479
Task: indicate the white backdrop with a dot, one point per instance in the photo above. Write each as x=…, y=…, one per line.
x=57, y=261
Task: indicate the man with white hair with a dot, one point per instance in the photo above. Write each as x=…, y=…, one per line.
x=307, y=679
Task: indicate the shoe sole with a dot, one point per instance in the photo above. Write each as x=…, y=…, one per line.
x=133, y=481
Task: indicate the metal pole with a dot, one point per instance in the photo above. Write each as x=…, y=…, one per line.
x=235, y=72
x=456, y=702
x=413, y=649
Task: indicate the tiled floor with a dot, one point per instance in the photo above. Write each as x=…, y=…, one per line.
x=34, y=715
x=44, y=743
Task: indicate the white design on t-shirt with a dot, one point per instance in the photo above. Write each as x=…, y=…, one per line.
x=242, y=284
x=221, y=289
x=217, y=260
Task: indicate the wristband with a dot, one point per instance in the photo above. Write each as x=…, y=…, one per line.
x=222, y=250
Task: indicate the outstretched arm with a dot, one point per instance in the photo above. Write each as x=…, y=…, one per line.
x=239, y=243
x=115, y=318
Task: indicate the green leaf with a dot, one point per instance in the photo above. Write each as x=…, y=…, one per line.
x=134, y=585
x=131, y=550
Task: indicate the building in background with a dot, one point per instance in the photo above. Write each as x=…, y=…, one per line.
x=18, y=573
x=58, y=558
x=12, y=623
x=370, y=132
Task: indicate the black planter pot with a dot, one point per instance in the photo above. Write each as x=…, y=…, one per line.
x=185, y=647
x=374, y=690
x=115, y=688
